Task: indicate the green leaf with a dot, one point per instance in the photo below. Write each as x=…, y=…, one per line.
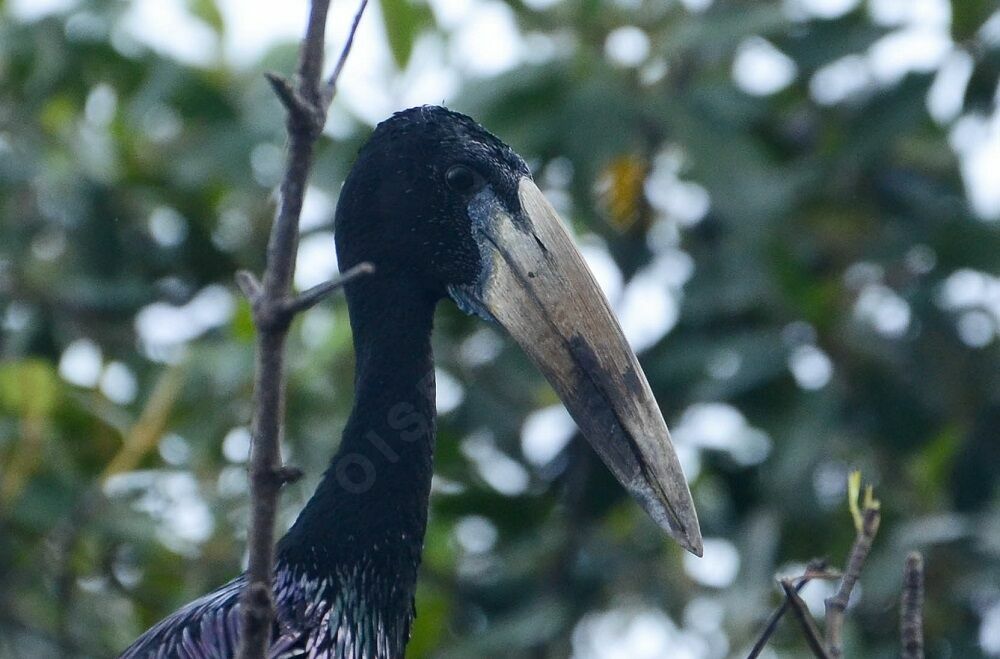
x=29, y=388
x=403, y=22
x=853, y=494
x=967, y=16
x=891, y=114
x=242, y=325
x=532, y=625
x=207, y=11
x=432, y=623
x=721, y=29
x=982, y=85
x=822, y=42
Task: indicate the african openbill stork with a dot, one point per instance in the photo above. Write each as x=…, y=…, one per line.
x=443, y=209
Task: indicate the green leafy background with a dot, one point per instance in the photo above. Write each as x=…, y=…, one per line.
x=837, y=307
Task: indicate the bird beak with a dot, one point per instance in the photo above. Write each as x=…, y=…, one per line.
x=536, y=285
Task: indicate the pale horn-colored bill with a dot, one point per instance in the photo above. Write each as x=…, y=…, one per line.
x=538, y=287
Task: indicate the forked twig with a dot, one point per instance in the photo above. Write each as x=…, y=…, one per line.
x=866, y=514
x=815, y=570
x=809, y=628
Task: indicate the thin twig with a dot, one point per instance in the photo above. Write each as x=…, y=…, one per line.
x=286, y=93
x=912, y=608
x=815, y=570
x=273, y=310
x=836, y=605
x=313, y=296
x=250, y=285
x=809, y=628
x=330, y=90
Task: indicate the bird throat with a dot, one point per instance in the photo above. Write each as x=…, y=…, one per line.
x=362, y=532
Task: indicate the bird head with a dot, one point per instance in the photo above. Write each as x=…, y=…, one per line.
x=436, y=200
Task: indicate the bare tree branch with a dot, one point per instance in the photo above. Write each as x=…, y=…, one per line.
x=864, y=509
x=836, y=605
x=805, y=619
x=274, y=308
x=815, y=570
x=912, y=608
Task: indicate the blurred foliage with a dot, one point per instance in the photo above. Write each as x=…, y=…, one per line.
x=813, y=303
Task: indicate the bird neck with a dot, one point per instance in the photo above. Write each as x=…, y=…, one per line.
x=364, y=526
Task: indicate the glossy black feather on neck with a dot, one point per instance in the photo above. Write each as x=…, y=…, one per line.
x=381, y=472
x=364, y=526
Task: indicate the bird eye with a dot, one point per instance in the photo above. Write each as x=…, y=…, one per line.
x=461, y=178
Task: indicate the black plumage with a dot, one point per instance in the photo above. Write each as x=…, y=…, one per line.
x=346, y=570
